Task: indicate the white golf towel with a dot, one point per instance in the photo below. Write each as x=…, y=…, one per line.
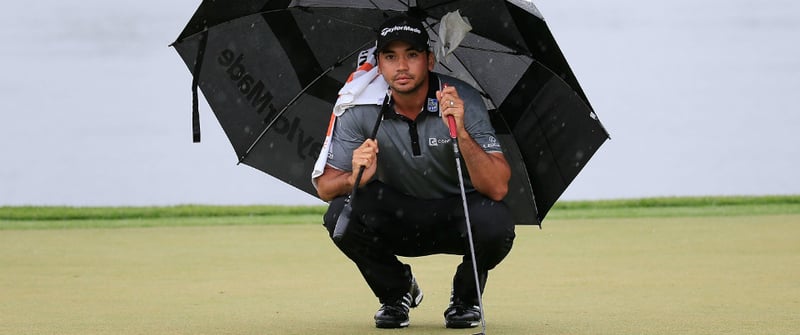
x=364, y=87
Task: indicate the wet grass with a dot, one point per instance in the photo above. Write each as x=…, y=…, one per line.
x=646, y=275
x=33, y=217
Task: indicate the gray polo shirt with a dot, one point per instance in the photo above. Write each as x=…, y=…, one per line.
x=415, y=157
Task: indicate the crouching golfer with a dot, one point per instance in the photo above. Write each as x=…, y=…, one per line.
x=409, y=200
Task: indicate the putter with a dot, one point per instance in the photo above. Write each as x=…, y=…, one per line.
x=344, y=216
x=452, y=123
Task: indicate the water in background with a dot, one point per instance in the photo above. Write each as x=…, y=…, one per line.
x=697, y=97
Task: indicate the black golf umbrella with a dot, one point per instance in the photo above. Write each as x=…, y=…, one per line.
x=271, y=72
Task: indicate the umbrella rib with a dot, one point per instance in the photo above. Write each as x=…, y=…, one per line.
x=182, y=38
x=440, y=4
x=337, y=19
x=512, y=52
x=379, y=7
x=295, y=98
x=547, y=140
x=482, y=89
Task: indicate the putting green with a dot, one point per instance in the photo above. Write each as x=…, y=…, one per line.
x=709, y=275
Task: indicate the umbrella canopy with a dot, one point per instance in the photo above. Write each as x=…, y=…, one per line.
x=271, y=72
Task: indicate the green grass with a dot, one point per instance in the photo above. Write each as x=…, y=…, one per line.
x=31, y=217
x=116, y=213
x=709, y=265
x=677, y=207
x=645, y=275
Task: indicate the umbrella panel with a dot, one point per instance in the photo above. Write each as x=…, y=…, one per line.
x=247, y=81
x=271, y=78
x=555, y=145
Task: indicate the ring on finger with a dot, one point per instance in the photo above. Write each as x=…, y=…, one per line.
x=452, y=103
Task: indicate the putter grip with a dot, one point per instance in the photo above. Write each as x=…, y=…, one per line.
x=451, y=121
x=344, y=216
x=342, y=222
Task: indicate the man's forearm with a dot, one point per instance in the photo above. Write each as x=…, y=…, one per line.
x=489, y=172
x=333, y=183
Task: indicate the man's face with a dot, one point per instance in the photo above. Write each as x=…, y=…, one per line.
x=403, y=68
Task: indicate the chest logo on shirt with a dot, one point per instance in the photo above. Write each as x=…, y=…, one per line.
x=433, y=105
x=435, y=142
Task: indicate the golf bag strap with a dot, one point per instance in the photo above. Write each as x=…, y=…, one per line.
x=198, y=65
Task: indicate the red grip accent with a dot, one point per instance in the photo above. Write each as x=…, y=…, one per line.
x=452, y=122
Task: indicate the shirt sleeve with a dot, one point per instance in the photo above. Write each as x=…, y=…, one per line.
x=479, y=124
x=347, y=136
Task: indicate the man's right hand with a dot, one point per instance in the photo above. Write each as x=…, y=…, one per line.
x=333, y=182
x=365, y=155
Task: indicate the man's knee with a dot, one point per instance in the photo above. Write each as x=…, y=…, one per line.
x=492, y=223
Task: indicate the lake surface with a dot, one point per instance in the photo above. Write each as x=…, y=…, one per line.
x=699, y=98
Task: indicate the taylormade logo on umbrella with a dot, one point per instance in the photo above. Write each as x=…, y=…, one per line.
x=254, y=91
